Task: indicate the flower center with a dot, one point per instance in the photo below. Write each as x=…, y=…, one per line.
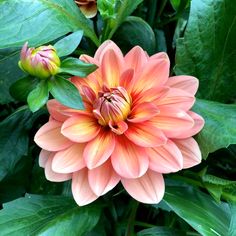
x=112, y=105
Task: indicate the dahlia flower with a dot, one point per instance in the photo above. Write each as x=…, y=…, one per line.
x=87, y=7
x=40, y=62
x=136, y=126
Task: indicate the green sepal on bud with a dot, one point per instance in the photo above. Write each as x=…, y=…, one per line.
x=42, y=62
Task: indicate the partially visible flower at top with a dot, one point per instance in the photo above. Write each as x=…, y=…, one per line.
x=136, y=126
x=88, y=7
x=41, y=62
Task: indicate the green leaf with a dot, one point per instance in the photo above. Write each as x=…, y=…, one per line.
x=68, y=44
x=40, y=21
x=47, y=215
x=199, y=210
x=14, y=140
x=10, y=72
x=77, y=67
x=65, y=92
x=232, y=227
x=38, y=97
x=160, y=231
x=140, y=33
x=208, y=50
x=22, y=87
x=219, y=130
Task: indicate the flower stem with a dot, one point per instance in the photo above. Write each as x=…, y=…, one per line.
x=131, y=220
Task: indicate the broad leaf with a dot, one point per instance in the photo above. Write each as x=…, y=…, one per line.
x=68, y=44
x=38, y=97
x=47, y=215
x=65, y=92
x=208, y=50
x=219, y=130
x=140, y=33
x=14, y=140
x=9, y=72
x=77, y=67
x=22, y=87
x=40, y=21
x=199, y=210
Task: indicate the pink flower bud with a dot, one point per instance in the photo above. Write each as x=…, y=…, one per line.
x=41, y=62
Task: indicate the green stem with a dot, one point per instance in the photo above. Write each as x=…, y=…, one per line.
x=131, y=220
x=152, y=8
x=163, y=4
x=143, y=224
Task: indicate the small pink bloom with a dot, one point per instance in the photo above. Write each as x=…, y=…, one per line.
x=41, y=62
x=137, y=125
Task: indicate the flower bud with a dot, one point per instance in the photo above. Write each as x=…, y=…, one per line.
x=41, y=62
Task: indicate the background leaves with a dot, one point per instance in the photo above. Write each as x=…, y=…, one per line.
x=207, y=49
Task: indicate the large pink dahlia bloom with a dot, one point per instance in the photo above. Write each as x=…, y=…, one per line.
x=136, y=126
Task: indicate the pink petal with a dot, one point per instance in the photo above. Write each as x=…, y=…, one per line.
x=184, y=82
x=43, y=157
x=154, y=74
x=69, y=160
x=49, y=137
x=119, y=127
x=149, y=188
x=135, y=58
x=190, y=151
x=126, y=79
x=145, y=134
x=142, y=112
x=99, y=149
x=198, y=125
x=104, y=47
x=111, y=66
x=80, y=128
x=81, y=189
x=129, y=160
x=172, y=121
x=103, y=178
x=159, y=56
x=166, y=158
x=52, y=175
x=177, y=98
x=150, y=95
x=55, y=109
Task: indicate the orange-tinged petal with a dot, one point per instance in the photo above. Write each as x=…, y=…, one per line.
x=190, y=151
x=103, y=178
x=56, y=110
x=198, y=125
x=69, y=160
x=128, y=159
x=119, y=127
x=105, y=46
x=135, y=59
x=142, y=112
x=172, y=121
x=149, y=188
x=184, y=82
x=177, y=98
x=52, y=175
x=43, y=157
x=80, y=128
x=150, y=95
x=126, y=79
x=154, y=74
x=89, y=10
x=98, y=150
x=49, y=137
x=166, y=158
x=111, y=68
x=81, y=189
x=145, y=134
